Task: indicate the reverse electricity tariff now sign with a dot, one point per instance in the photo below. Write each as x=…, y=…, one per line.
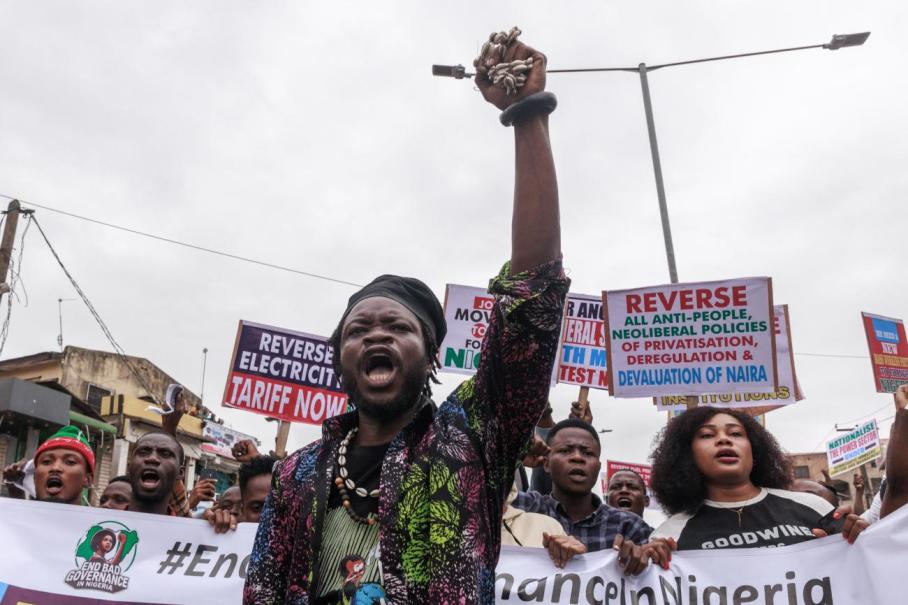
x=283, y=374
x=888, y=351
x=692, y=339
x=789, y=390
x=58, y=554
x=851, y=451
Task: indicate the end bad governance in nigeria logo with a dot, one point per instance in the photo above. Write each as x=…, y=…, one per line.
x=103, y=555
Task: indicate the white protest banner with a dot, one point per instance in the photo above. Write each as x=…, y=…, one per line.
x=789, y=390
x=283, y=374
x=75, y=555
x=56, y=554
x=827, y=571
x=581, y=351
x=850, y=451
x=467, y=312
x=697, y=338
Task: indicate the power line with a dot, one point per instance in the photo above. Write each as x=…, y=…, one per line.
x=189, y=245
x=274, y=265
x=121, y=353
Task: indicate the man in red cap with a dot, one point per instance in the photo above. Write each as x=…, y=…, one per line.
x=64, y=465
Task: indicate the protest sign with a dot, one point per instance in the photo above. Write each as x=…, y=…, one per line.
x=283, y=374
x=467, y=312
x=697, y=338
x=644, y=470
x=224, y=438
x=613, y=466
x=789, y=390
x=888, y=351
x=51, y=555
x=581, y=351
x=850, y=451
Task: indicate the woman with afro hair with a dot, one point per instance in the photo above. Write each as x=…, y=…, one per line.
x=724, y=480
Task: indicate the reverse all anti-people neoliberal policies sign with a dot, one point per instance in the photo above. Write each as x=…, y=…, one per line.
x=283, y=374
x=692, y=339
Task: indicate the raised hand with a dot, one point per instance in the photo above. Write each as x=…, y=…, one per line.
x=581, y=412
x=204, y=490
x=171, y=421
x=245, y=450
x=901, y=397
x=537, y=452
x=535, y=76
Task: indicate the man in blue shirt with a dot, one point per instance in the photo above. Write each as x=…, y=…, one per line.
x=574, y=465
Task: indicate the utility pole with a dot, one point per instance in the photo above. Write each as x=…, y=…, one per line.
x=6, y=245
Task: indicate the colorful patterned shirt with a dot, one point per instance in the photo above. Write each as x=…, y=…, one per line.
x=445, y=476
x=597, y=531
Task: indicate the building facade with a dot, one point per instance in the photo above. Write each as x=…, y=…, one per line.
x=116, y=391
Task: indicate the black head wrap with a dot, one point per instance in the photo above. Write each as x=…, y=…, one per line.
x=411, y=293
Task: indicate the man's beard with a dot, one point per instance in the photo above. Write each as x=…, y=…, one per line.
x=414, y=383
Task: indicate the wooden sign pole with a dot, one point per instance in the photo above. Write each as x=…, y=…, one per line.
x=280, y=442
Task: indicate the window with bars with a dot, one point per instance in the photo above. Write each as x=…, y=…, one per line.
x=94, y=395
x=802, y=472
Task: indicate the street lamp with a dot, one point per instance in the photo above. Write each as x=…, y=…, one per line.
x=60, y=302
x=838, y=41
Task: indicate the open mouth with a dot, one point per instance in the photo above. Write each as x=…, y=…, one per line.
x=624, y=502
x=727, y=456
x=577, y=474
x=149, y=479
x=378, y=368
x=53, y=485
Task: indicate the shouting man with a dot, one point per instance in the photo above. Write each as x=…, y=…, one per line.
x=412, y=493
x=64, y=465
x=627, y=492
x=156, y=465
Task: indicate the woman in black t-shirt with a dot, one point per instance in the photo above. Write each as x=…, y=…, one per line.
x=723, y=480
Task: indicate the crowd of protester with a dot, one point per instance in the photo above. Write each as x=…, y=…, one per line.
x=720, y=476
x=405, y=500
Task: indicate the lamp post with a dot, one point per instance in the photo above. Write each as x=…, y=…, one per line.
x=60, y=302
x=836, y=42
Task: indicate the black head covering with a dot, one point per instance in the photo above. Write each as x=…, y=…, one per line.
x=411, y=293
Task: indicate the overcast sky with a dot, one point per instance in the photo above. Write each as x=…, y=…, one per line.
x=312, y=135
